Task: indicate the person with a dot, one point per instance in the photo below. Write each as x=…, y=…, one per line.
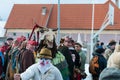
x=75, y=55
x=78, y=48
x=22, y=49
x=58, y=59
x=112, y=71
x=66, y=52
x=76, y=60
x=27, y=57
x=11, y=68
x=97, y=44
x=110, y=49
x=2, y=74
x=102, y=63
x=9, y=43
x=101, y=45
x=43, y=70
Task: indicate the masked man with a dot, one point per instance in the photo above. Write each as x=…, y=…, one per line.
x=43, y=70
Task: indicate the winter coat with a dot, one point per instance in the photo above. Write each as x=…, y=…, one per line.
x=102, y=63
x=66, y=52
x=114, y=59
x=27, y=59
x=112, y=72
x=60, y=62
x=108, y=52
x=83, y=60
x=1, y=65
x=34, y=73
x=77, y=57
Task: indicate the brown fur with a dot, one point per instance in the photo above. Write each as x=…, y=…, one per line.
x=10, y=72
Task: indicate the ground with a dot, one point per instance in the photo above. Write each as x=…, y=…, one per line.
x=87, y=71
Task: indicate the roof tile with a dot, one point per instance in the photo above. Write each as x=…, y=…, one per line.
x=72, y=16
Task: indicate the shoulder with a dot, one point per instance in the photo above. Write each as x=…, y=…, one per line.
x=54, y=70
x=82, y=53
x=108, y=50
x=29, y=72
x=33, y=67
x=63, y=48
x=59, y=55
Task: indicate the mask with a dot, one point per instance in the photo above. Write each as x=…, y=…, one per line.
x=44, y=65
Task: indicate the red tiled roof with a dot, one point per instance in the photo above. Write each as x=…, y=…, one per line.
x=73, y=16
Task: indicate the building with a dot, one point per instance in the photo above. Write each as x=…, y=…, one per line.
x=74, y=19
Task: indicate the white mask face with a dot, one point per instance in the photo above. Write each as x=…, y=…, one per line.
x=45, y=65
x=44, y=62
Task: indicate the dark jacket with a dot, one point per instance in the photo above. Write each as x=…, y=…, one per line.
x=66, y=52
x=77, y=57
x=27, y=59
x=102, y=63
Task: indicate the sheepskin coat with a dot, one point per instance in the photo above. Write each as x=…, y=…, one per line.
x=34, y=73
x=114, y=59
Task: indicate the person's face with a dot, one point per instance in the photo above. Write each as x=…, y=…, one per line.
x=44, y=61
x=9, y=42
x=30, y=47
x=77, y=48
x=113, y=47
x=67, y=42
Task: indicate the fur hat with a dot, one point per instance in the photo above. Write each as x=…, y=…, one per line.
x=100, y=50
x=45, y=53
x=112, y=42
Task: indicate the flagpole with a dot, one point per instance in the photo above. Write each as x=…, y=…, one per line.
x=92, y=29
x=58, y=24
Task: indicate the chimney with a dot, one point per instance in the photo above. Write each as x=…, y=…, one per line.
x=117, y=3
x=44, y=10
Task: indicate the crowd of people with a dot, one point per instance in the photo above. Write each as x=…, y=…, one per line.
x=108, y=61
x=22, y=59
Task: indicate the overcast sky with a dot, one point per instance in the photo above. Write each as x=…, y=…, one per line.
x=6, y=5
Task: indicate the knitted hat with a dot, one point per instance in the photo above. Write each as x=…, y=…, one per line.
x=45, y=53
x=31, y=42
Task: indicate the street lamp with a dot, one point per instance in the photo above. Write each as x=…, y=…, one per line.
x=92, y=29
x=58, y=24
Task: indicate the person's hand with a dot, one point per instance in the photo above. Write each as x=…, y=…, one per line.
x=16, y=76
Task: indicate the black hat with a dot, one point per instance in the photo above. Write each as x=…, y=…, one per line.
x=100, y=50
x=9, y=38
